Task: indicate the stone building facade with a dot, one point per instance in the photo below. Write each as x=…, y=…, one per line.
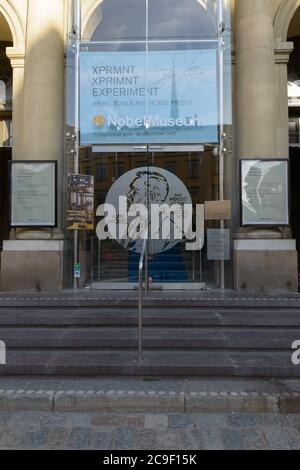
x=33, y=34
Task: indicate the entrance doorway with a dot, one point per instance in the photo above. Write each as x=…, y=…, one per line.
x=150, y=175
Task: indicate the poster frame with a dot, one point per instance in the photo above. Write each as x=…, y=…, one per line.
x=14, y=224
x=262, y=224
x=92, y=177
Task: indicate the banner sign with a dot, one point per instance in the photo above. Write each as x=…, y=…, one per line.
x=80, y=210
x=33, y=194
x=158, y=97
x=264, y=192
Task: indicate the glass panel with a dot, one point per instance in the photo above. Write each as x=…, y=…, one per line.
x=118, y=20
x=184, y=50
x=175, y=19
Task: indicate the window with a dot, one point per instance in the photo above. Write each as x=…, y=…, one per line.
x=193, y=168
x=101, y=173
x=170, y=166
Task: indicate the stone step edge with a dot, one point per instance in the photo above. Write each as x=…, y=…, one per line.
x=148, y=401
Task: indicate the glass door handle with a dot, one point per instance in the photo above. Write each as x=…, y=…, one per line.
x=141, y=147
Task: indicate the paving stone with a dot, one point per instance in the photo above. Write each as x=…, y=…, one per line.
x=105, y=419
x=209, y=420
x=290, y=404
x=21, y=402
x=35, y=439
x=293, y=437
x=57, y=438
x=102, y=440
x=182, y=420
x=233, y=440
x=254, y=439
x=123, y=438
x=32, y=418
x=146, y=440
x=156, y=422
x=134, y=403
x=213, y=439
x=5, y=417
x=53, y=419
x=227, y=404
x=293, y=420
x=192, y=439
x=242, y=420
x=77, y=419
x=272, y=419
x=169, y=440
x=12, y=437
x=276, y=438
x=79, y=438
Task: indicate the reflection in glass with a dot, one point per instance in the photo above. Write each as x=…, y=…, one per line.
x=167, y=19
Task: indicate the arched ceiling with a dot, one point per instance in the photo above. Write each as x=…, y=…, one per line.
x=294, y=28
x=5, y=33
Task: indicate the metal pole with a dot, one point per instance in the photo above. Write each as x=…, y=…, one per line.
x=140, y=316
x=147, y=268
x=76, y=5
x=141, y=290
x=221, y=115
x=200, y=267
x=99, y=260
x=92, y=261
x=193, y=266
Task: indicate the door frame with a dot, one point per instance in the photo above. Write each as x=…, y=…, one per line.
x=179, y=286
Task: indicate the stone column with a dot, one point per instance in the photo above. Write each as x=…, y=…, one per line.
x=44, y=81
x=33, y=262
x=264, y=260
x=255, y=72
x=283, y=51
x=17, y=60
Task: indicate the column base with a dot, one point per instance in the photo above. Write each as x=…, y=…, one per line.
x=32, y=266
x=265, y=266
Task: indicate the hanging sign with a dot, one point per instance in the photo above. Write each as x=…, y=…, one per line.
x=158, y=97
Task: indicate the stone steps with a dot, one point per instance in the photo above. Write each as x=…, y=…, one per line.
x=155, y=363
x=128, y=316
x=92, y=336
x=155, y=338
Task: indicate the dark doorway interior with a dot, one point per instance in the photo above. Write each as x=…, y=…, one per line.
x=295, y=197
x=5, y=157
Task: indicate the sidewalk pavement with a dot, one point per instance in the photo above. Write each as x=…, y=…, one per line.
x=149, y=414
x=139, y=395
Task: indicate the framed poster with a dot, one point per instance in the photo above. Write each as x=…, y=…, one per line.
x=264, y=192
x=80, y=206
x=33, y=201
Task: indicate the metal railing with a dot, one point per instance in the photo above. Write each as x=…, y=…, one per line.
x=142, y=262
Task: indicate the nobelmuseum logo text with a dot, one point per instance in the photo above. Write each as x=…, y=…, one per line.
x=145, y=122
x=2, y=353
x=296, y=354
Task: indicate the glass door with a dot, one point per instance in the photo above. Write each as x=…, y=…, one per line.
x=191, y=176
x=150, y=176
